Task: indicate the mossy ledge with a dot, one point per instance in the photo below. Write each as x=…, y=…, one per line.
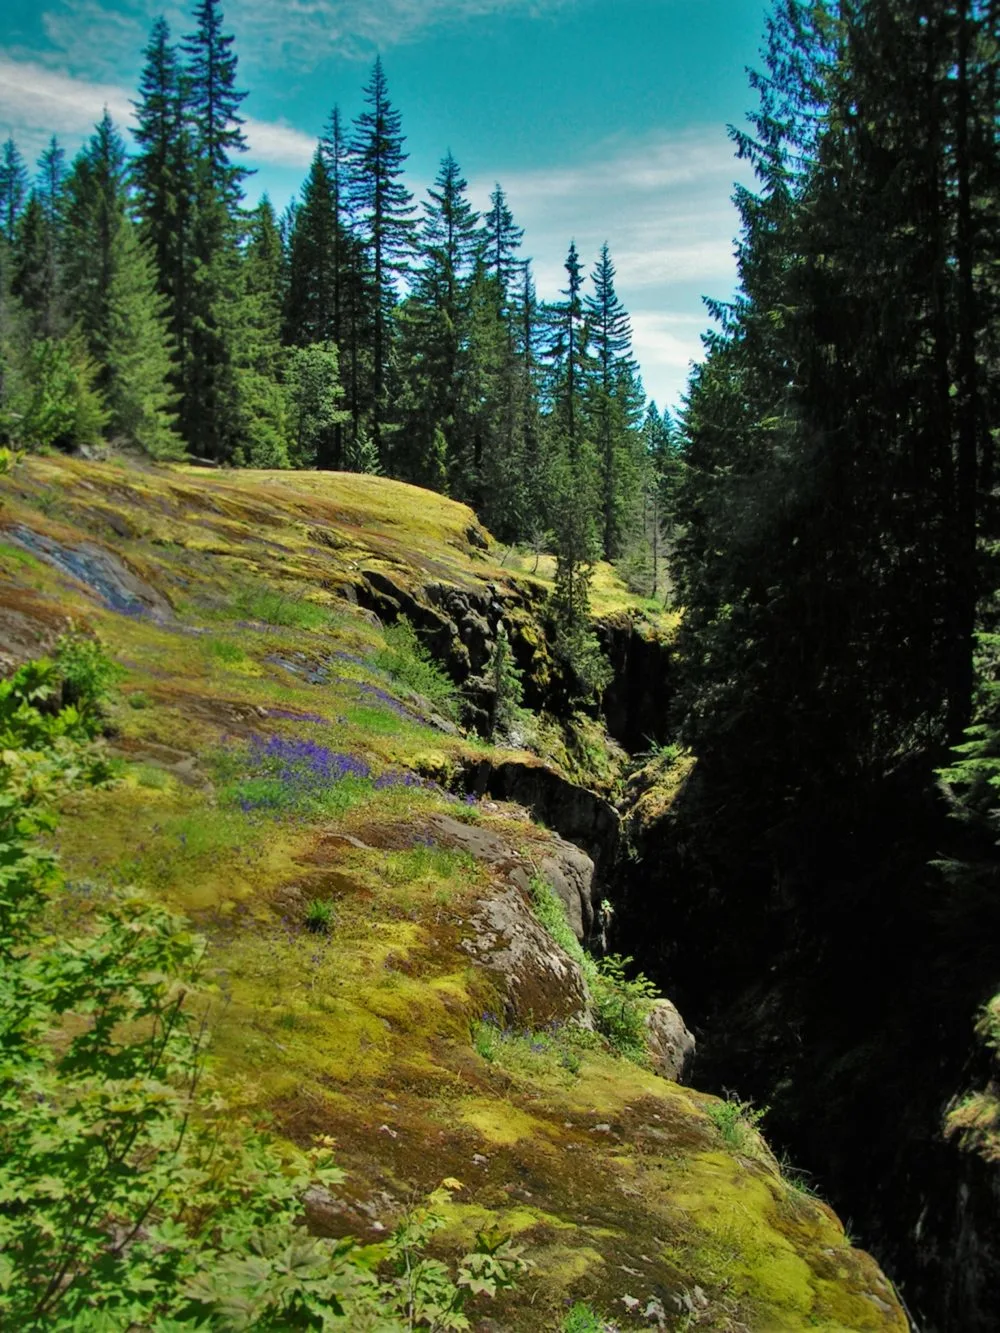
x=239, y=607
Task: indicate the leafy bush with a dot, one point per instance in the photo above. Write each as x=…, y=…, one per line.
x=88, y=676
x=406, y=659
x=582, y=1319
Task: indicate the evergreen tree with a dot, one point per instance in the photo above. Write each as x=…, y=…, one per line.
x=610, y=390
x=314, y=397
x=313, y=279
x=568, y=357
x=437, y=449
x=384, y=208
x=142, y=404
x=211, y=408
x=260, y=357
x=163, y=177
x=112, y=295
x=212, y=103
x=211, y=414
x=36, y=270
x=95, y=217
x=13, y=189
x=501, y=242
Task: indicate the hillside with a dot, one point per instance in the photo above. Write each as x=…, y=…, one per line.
x=282, y=765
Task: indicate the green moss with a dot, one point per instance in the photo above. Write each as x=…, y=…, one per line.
x=365, y=1033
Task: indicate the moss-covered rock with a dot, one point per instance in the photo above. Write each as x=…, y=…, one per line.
x=269, y=763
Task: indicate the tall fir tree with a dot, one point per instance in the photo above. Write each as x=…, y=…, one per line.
x=610, y=391
x=501, y=241
x=13, y=188
x=163, y=179
x=386, y=225
x=213, y=101
x=112, y=296
x=435, y=446
x=211, y=410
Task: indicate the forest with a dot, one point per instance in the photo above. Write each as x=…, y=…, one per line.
x=820, y=891
x=144, y=303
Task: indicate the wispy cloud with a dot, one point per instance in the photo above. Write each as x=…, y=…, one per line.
x=36, y=102
x=663, y=204
x=98, y=39
x=306, y=30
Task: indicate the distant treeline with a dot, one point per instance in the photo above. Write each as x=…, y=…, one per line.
x=142, y=303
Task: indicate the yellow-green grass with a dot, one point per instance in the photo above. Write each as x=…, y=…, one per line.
x=366, y=1031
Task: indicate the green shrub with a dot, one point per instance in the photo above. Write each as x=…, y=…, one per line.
x=88, y=676
x=737, y=1122
x=582, y=1319
x=406, y=660
x=319, y=917
x=619, y=1005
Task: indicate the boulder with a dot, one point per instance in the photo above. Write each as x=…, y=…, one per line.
x=538, y=982
x=671, y=1046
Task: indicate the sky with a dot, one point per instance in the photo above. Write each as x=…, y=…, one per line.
x=602, y=122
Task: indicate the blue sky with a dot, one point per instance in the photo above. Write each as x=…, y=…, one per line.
x=598, y=127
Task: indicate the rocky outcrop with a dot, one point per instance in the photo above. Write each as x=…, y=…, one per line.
x=636, y=705
x=538, y=982
x=671, y=1046
x=575, y=813
x=102, y=572
x=569, y=872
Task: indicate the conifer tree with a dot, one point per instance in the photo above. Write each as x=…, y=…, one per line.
x=211, y=411
x=384, y=207
x=36, y=270
x=260, y=358
x=501, y=242
x=142, y=403
x=112, y=296
x=609, y=392
x=337, y=158
x=311, y=298
x=163, y=177
x=13, y=188
x=212, y=102
x=437, y=449
x=568, y=357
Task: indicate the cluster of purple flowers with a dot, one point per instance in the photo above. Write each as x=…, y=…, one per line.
x=305, y=763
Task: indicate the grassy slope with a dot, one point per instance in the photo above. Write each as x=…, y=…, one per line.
x=618, y=1181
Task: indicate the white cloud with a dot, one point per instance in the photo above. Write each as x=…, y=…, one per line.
x=305, y=31
x=94, y=38
x=663, y=204
x=37, y=102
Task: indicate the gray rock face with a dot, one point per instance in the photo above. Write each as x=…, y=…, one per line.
x=570, y=874
x=671, y=1045
x=537, y=981
x=102, y=572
